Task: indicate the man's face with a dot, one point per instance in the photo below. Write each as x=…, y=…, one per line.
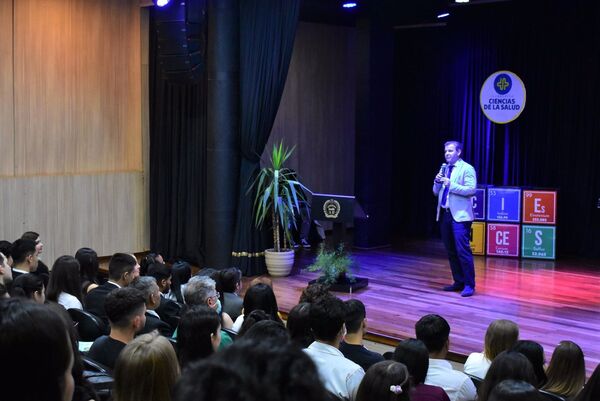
x=451, y=154
x=136, y=270
x=165, y=284
x=39, y=246
x=212, y=301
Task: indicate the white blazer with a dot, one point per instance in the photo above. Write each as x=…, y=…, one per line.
x=463, y=182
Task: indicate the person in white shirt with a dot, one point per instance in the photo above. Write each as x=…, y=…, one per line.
x=500, y=336
x=340, y=376
x=64, y=286
x=434, y=331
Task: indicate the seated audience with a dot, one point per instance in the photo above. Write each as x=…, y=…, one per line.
x=89, y=265
x=535, y=353
x=566, y=370
x=434, y=331
x=148, y=287
x=340, y=375
x=515, y=390
x=259, y=296
x=146, y=370
x=413, y=353
x=148, y=261
x=64, y=286
x=6, y=277
x=249, y=371
x=5, y=249
x=181, y=273
x=507, y=365
x=42, y=269
x=314, y=292
x=385, y=381
x=591, y=390
x=123, y=268
x=254, y=317
x=261, y=280
x=29, y=286
x=298, y=325
x=269, y=331
x=25, y=258
x=168, y=310
x=199, y=334
x=231, y=281
x=36, y=353
x=352, y=345
x=125, y=308
x=500, y=336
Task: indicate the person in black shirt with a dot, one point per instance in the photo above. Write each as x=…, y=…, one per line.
x=352, y=346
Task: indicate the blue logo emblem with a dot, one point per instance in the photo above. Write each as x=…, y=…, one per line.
x=502, y=84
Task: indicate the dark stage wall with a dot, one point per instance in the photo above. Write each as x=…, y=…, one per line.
x=553, y=144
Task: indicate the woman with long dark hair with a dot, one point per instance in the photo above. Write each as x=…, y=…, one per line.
x=198, y=334
x=259, y=296
x=64, y=286
x=88, y=272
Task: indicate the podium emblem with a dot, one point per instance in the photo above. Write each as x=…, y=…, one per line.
x=331, y=209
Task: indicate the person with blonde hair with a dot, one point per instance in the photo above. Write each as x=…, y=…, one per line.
x=500, y=336
x=566, y=370
x=146, y=370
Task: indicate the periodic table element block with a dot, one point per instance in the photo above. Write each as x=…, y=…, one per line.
x=539, y=242
x=503, y=239
x=504, y=204
x=479, y=204
x=477, y=240
x=539, y=207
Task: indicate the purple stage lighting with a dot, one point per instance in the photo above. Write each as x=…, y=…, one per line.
x=161, y=3
x=444, y=15
x=349, y=4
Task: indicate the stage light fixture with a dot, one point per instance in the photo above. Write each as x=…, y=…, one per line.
x=444, y=15
x=349, y=4
x=461, y=1
x=160, y=3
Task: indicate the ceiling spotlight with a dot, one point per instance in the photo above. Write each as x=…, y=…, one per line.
x=444, y=15
x=349, y=4
x=161, y=3
x=461, y=1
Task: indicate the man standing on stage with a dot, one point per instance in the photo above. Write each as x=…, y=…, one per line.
x=454, y=186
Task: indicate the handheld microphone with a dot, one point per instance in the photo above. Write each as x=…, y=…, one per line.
x=443, y=169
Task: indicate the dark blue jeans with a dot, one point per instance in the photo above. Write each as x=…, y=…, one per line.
x=456, y=240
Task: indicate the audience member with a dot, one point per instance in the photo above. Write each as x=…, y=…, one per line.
x=6, y=277
x=434, y=331
x=148, y=260
x=385, y=381
x=125, y=308
x=25, y=258
x=314, y=292
x=259, y=296
x=29, y=286
x=352, y=345
x=535, y=353
x=231, y=280
x=515, y=390
x=148, y=287
x=254, y=317
x=507, y=365
x=298, y=325
x=340, y=375
x=36, y=353
x=250, y=371
x=269, y=331
x=89, y=266
x=168, y=310
x=262, y=280
x=591, y=390
x=181, y=273
x=5, y=249
x=146, y=370
x=566, y=370
x=41, y=270
x=413, y=353
x=64, y=286
x=123, y=268
x=500, y=336
x=199, y=334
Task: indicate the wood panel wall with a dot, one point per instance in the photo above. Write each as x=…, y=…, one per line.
x=77, y=136
x=317, y=110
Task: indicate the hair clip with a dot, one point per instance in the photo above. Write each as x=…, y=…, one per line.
x=396, y=389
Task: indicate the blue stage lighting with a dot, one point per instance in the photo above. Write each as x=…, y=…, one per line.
x=444, y=15
x=161, y=3
x=349, y=4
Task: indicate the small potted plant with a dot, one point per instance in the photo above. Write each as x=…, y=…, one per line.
x=278, y=196
x=335, y=266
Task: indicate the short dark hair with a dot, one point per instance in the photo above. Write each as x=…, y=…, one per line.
x=64, y=278
x=120, y=263
x=515, y=390
x=30, y=235
x=355, y=314
x=230, y=278
x=414, y=354
x=327, y=318
x=122, y=304
x=193, y=334
x=159, y=271
x=268, y=330
x=457, y=145
x=507, y=365
x=25, y=285
x=298, y=324
x=34, y=339
x=21, y=249
x=5, y=248
x=314, y=292
x=434, y=331
x=146, y=261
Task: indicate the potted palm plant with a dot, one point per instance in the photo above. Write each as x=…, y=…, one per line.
x=277, y=199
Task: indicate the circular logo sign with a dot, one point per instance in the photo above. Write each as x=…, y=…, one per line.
x=331, y=208
x=502, y=97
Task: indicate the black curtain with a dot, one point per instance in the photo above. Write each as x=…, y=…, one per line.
x=555, y=48
x=267, y=32
x=177, y=163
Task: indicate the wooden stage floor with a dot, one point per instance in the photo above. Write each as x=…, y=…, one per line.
x=550, y=301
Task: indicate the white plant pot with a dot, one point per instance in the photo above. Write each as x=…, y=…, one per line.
x=279, y=264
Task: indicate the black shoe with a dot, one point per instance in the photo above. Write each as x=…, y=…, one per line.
x=454, y=287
